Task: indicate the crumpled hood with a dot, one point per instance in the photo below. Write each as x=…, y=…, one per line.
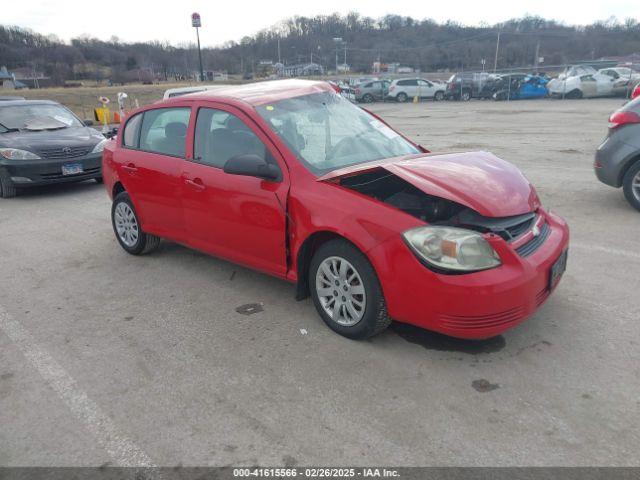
x=478, y=180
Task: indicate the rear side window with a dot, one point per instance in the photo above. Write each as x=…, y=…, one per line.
x=220, y=136
x=164, y=131
x=408, y=83
x=131, y=130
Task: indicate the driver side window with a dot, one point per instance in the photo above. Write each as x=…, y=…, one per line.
x=220, y=136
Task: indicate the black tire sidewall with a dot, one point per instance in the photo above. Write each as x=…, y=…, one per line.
x=402, y=97
x=465, y=96
x=367, y=98
x=628, y=187
x=439, y=96
x=140, y=244
x=374, y=297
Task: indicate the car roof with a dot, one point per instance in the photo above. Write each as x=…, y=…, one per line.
x=13, y=103
x=260, y=93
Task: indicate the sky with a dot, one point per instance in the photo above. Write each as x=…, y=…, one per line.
x=145, y=20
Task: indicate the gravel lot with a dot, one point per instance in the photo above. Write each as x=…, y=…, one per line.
x=109, y=358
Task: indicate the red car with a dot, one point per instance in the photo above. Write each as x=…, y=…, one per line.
x=291, y=179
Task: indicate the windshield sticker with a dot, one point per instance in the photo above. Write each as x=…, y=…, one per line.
x=383, y=129
x=269, y=107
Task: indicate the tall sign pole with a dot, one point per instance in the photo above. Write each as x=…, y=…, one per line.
x=196, y=23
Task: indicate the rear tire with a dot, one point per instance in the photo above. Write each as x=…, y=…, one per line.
x=465, y=96
x=126, y=227
x=367, y=98
x=631, y=185
x=402, y=97
x=7, y=188
x=363, y=312
x=574, y=94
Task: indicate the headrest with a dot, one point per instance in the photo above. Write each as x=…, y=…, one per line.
x=175, y=130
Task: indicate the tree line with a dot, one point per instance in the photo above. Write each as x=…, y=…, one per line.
x=424, y=45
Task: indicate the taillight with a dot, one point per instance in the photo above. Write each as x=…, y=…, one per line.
x=636, y=92
x=392, y=88
x=335, y=87
x=618, y=119
x=358, y=91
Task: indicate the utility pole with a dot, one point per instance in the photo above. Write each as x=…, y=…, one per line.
x=537, y=59
x=196, y=23
x=279, y=59
x=495, y=62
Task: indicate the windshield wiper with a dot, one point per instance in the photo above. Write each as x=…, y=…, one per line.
x=8, y=129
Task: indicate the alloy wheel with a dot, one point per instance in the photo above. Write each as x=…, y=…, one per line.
x=341, y=291
x=635, y=186
x=126, y=224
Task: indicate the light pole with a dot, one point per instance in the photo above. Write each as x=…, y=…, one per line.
x=196, y=23
x=338, y=41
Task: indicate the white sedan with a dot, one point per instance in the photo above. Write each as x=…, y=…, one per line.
x=587, y=83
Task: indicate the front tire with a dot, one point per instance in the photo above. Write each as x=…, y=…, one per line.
x=126, y=227
x=346, y=291
x=631, y=185
x=465, y=96
x=439, y=96
x=7, y=188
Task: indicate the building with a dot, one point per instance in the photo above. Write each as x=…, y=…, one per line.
x=298, y=70
x=7, y=80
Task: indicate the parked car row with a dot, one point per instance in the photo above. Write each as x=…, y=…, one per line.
x=575, y=82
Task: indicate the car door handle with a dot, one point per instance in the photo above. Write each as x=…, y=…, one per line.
x=196, y=184
x=130, y=168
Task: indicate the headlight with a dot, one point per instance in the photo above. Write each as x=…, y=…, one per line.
x=453, y=249
x=16, y=154
x=100, y=146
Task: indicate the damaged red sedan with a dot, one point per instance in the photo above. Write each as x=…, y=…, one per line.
x=290, y=178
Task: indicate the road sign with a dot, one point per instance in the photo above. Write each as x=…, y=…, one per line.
x=195, y=20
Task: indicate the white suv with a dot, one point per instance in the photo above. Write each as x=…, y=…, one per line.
x=404, y=89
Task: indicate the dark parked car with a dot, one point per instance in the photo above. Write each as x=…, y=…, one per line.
x=42, y=142
x=618, y=157
x=465, y=86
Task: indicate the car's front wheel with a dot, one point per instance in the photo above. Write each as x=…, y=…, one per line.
x=439, y=96
x=126, y=226
x=7, y=188
x=631, y=185
x=346, y=291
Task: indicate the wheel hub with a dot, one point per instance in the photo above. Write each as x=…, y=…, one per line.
x=335, y=275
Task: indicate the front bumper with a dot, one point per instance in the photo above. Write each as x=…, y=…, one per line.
x=475, y=305
x=32, y=173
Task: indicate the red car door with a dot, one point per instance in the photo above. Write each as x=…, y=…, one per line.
x=149, y=165
x=236, y=217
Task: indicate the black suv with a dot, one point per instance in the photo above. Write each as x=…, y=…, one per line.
x=465, y=86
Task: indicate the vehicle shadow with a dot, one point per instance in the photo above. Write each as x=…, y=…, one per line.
x=439, y=342
x=59, y=189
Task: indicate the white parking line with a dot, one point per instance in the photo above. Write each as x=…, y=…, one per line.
x=120, y=448
x=599, y=248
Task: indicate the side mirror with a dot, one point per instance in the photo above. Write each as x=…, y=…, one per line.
x=251, y=165
x=88, y=123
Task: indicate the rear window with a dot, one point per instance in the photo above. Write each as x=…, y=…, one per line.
x=131, y=129
x=164, y=131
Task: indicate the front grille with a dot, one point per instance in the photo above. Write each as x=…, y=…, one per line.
x=536, y=242
x=57, y=175
x=61, y=153
x=493, y=320
x=518, y=229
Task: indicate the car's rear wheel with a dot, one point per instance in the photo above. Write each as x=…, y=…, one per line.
x=7, y=188
x=465, y=96
x=367, y=98
x=631, y=185
x=346, y=291
x=126, y=226
x=439, y=96
x=402, y=97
